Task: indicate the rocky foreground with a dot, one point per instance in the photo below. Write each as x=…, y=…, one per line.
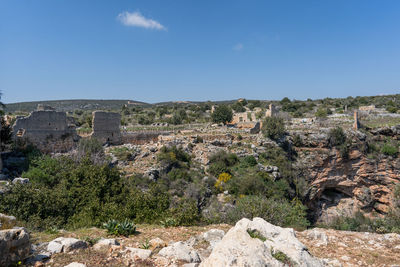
x=249, y=243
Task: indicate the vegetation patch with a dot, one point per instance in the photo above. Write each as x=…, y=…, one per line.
x=253, y=233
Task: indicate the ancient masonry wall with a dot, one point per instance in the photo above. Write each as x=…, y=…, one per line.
x=48, y=130
x=271, y=112
x=140, y=138
x=106, y=127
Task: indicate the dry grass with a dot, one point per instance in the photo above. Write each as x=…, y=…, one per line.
x=355, y=249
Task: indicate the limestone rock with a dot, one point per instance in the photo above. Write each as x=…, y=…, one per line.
x=138, y=253
x=105, y=243
x=319, y=235
x=213, y=236
x=180, y=251
x=63, y=244
x=14, y=245
x=20, y=180
x=75, y=264
x=157, y=243
x=238, y=248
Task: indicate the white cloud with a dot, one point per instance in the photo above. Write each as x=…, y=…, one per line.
x=238, y=47
x=136, y=19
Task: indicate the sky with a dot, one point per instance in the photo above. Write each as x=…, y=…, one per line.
x=170, y=50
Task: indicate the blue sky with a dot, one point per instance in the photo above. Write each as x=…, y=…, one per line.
x=198, y=50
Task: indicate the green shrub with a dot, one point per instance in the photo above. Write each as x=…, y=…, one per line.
x=253, y=233
x=222, y=114
x=297, y=140
x=249, y=161
x=336, y=136
x=282, y=257
x=278, y=212
x=222, y=162
x=92, y=148
x=273, y=127
x=186, y=212
x=123, y=153
x=323, y=112
x=174, y=157
x=168, y=222
x=389, y=149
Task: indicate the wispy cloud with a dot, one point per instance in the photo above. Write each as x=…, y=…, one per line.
x=136, y=19
x=238, y=47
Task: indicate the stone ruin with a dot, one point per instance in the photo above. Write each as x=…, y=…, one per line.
x=54, y=131
x=106, y=127
x=271, y=112
x=243, y=117
x=48, y=130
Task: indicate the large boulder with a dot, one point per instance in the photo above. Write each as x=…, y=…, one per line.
x=259, y=243
x=65, y=244
x=14, y=245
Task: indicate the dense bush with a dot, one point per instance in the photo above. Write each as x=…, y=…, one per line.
x=222, y=114
x=221, y=162
x=278, y=212
x=336, y=136
x=92, y=148
x=173, y=157
x=273, y=127
x=389, y=149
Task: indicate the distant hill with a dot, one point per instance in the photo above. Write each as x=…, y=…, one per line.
x=71, y=105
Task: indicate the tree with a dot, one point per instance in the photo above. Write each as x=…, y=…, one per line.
x=223, y=114
x=273, y=127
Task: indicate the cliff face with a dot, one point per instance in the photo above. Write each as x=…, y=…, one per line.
x=341, y=185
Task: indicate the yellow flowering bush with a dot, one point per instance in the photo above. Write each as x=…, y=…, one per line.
x=223, y=178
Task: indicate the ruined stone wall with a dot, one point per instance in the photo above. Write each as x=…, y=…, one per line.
x=47, y=130
x=367, y=108
x=271, y=112
x=243, y=117
x=106, y=127
x=140, y=138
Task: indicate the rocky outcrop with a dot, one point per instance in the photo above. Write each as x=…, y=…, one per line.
x=343, y=184
x=259, y=243
x=14, y=246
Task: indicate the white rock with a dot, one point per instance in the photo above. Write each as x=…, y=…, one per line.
x=105, y=243
x=180, y=251
x=21, y=180
x=318, y=234
x=345, y=258
x=75, y=264
x=14, y=245
x=63, y=244
x=213, y=236
x=238, y=248
x=135, y=253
